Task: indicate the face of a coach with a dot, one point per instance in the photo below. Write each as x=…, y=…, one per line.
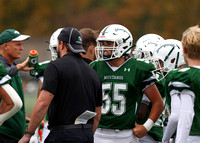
x=61, y=49
x=12, y=50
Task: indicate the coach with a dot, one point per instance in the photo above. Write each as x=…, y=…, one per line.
x=71, y=93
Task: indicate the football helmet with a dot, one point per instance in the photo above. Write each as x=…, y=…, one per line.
x=167, y=57
x=122, y=38
x=146, y=45
x=53, y=44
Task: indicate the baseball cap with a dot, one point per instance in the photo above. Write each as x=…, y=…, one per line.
x=12, y=35
x=72, y=37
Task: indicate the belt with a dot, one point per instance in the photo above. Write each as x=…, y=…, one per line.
x=71, y=126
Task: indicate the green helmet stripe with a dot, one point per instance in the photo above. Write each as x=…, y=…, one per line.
x=104, y=31
x=169, y=54
x=176, y=65
x=124, y=40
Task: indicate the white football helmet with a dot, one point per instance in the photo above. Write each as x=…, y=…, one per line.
x=146, y=45
x=53, y=44
x=168, y=56
x=118, y=34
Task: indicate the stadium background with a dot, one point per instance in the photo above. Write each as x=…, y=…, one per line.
x=40, y=18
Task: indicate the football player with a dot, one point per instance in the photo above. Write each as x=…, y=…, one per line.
x=166, y=57
x=124, y=80
x=145, y=48
x=183, y=92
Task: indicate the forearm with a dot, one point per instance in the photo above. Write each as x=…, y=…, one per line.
x=173, y=118
x=186, y=117
x=24, y=66
x=157, y=103
x=9, y=110
x=154, y=115
x=40, y=109
x=170, y=129
x=37, y=116
x=156, y=110
x=142, y=111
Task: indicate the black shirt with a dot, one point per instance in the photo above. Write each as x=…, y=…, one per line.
x=87, y=60
x=76, y=88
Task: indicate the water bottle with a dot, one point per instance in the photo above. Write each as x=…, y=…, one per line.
x=33, y=61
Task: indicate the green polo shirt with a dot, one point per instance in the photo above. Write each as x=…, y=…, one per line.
x=14, y=127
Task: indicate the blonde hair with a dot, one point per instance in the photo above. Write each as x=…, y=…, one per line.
x=191, y=42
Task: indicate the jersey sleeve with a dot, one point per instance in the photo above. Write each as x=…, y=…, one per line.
x=179, y=81
x=40, y=68
x=50, y=78
x=148, y=78
x=92, y=64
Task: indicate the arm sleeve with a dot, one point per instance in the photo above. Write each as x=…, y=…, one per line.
x=148, y=77
x=51, y=78
x=16, y=100
x=186, y=116
x=174, y=117
x=12, y=70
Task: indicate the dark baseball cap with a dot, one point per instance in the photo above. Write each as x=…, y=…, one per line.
x=12, y=35
x=72, y=37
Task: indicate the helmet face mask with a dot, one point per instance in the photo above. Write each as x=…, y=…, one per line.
x=106, y=51
x=139, y=54
x=54, y=54
x=53, y=44
x=117, y=34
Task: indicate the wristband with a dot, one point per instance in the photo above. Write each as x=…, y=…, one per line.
x=28, y=132
x=148, y=124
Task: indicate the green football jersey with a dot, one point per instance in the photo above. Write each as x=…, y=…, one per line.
x=122, y=91
x=187, y=79
x=14, y=127
x=4, y=77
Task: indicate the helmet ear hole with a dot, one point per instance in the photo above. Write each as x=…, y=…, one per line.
x=173, y=60
x=125, y=47
x=142, y=55
x=55, y=48
x=151, y=53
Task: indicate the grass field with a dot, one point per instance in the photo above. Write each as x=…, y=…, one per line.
x=30, y=100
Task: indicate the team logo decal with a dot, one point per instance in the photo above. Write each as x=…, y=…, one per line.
x=33, y=60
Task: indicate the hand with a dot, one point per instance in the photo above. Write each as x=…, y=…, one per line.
x=27, y=119
x=24, y=66
x=139, y=130
x=25, y=139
